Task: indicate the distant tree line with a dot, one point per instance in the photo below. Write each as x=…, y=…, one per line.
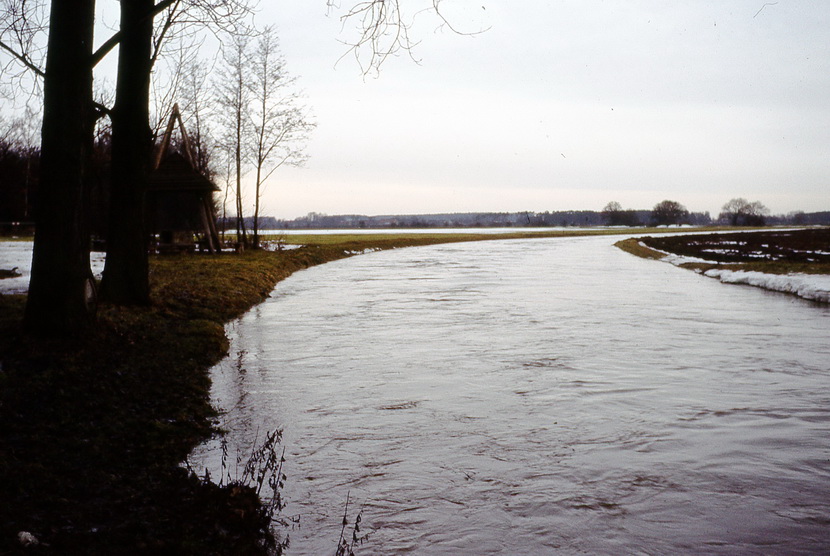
x=669, y=214
x=20, y=161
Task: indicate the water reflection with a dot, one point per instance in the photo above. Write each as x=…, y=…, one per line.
x=530, y=397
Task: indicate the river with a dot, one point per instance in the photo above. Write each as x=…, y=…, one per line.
x=547, y=396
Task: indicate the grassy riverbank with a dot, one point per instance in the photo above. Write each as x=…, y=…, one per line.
x=93, y=428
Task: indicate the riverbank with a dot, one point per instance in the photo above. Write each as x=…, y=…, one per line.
x=94, y=428
x=788, y=261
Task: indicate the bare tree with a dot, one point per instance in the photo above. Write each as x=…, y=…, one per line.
x=197, y=104
x=740, y=212
x=280, y=125
x=61, y=253
x=233, y=98
x=126, y=274
x=24, y=133
x=669, y=212
x=611, y=213
x=165, y=89
x=59, y=290
x=614, y=215
x=19, y=155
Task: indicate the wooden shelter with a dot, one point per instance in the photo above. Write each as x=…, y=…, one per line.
x=179, y=198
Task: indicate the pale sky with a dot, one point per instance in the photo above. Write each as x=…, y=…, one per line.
x=560, y=105
x=563, y=105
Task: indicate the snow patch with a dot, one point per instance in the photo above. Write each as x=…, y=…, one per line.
x=672, y=258
x=678, y=260
x=809, y=286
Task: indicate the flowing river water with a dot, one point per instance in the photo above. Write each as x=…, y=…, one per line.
x=548, y=396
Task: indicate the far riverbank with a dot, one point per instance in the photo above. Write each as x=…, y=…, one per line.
x=795, y=261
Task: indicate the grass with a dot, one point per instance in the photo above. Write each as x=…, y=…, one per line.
x=399, y=239
x=633, y=246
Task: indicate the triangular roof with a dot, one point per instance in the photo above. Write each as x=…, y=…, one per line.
x=175, y=173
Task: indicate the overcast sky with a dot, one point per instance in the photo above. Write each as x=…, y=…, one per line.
x=565, y=104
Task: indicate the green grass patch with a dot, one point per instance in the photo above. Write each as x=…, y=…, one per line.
x=633, y=246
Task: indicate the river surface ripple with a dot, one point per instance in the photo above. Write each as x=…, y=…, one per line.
x=537, y=397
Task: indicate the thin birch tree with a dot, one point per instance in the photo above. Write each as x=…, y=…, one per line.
x=233, y=99
x=280, y=124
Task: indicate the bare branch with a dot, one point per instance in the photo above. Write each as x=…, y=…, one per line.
x=23, y=59
x=762, y=8
x=23, y=35
x=165, y=27
x=384, y=31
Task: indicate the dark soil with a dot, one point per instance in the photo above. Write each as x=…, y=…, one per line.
x=808, y=246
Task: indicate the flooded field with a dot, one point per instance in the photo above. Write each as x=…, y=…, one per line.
x=810, y=245
x=18, y=255
x=537, y=397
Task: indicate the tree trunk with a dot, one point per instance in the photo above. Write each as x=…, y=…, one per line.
x=59, y=290
x=256, y=205
x=241, y=233
x=126, y=274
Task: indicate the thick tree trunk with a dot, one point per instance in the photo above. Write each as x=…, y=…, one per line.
x=60, y=288
x=126, y=274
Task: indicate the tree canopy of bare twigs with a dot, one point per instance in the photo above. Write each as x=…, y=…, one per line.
x=233, y=99
x=383, y=28
x=23, y=30
x=280, y=124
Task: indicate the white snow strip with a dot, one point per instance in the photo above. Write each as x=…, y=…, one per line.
x=810, y=252
x=808, y=286
x=676, y=260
